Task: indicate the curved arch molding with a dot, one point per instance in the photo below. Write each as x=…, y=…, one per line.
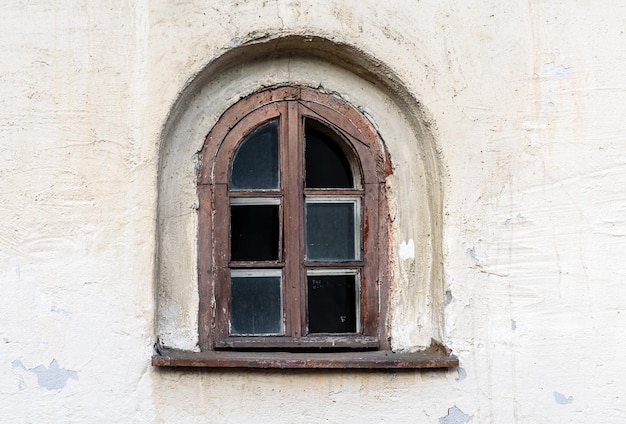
x=415, y=186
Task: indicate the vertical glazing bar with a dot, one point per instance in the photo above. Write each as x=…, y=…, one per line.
x=291, y=163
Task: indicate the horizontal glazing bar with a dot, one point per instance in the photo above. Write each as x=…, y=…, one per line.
x=255, y=273
x=326, y=271
x=240, y=201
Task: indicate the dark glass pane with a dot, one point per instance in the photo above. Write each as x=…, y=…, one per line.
x=255, y=165
x=326, y=165
x=254, y=232
x=330, y=231
x=255, y=306
x=332, y=304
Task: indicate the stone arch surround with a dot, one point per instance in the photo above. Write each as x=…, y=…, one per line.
x=415, y=187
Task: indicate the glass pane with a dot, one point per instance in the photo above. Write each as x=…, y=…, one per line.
x=330, y=231
x=332, y=304
x=256, y=162
x=326, y=165
x=254, y=232
x=255, y=305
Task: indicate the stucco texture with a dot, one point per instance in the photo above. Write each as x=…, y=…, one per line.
x=508, y=202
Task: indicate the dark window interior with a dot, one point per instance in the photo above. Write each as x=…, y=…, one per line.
x=326, y=165
x=255, y=305
x=254, y=232
x=331, y=304
x=255, y=166
x=330, y=231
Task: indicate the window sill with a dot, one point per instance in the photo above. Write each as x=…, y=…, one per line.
x=436, y=356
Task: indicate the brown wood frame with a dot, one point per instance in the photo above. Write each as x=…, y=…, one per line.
x=368, y=349
x=291, y=105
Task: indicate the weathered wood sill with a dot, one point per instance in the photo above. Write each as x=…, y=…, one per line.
x=437, y=356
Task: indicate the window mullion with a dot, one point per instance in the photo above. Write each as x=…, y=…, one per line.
x=293, y=220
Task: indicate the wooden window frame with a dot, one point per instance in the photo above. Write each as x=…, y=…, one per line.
x=370, y=347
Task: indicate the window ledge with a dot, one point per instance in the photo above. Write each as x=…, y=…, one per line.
x=436, y=356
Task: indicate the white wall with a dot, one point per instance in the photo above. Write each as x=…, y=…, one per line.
x=527, y=103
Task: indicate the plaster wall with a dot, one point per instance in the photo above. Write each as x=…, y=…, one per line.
x=521, y=104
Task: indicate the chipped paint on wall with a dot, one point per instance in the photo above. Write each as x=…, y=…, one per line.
x=51, y=377
x=455, y=416
x=557, y=72
x=406, y=250
x=561, y=399
x=462, y=374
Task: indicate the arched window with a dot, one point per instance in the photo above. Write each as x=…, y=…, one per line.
x=291, y=194
x=293, y=249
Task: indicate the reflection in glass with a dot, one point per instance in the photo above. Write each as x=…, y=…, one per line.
x=326, y=165
x=255, y=165
x=255, y=305
x=254, y=232
x=332, y=304
x=330, y=231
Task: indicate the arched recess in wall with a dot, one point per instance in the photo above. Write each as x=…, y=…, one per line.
x=414, y=188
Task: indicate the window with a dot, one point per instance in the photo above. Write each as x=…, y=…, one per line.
x=290, y=191
x=292, y=239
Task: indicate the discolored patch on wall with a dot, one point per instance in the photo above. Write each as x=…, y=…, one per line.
x=51, y=377
x=561, y=399
x=455, y=416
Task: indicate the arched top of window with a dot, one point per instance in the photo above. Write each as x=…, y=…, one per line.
x=329, y=160
x=338, y=135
